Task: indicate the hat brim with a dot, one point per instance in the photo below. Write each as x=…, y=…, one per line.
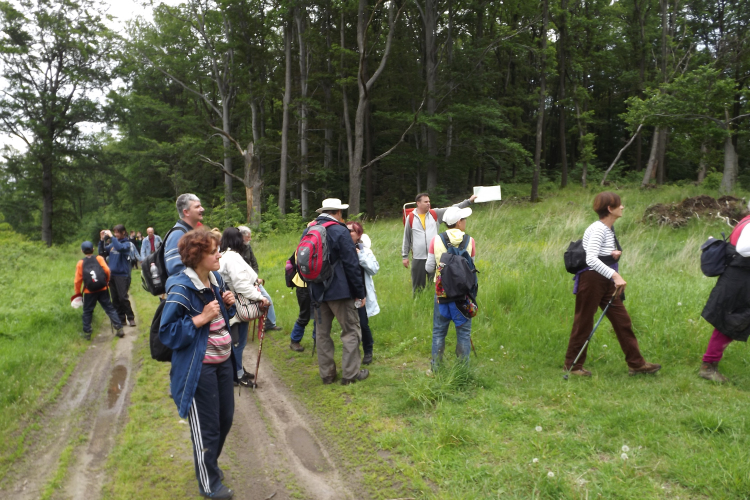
x=322, y=209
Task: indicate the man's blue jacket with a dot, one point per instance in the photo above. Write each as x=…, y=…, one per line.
x=118, y=252
x=178, y=332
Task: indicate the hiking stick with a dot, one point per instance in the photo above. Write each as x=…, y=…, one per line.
x=261, y=336
x=472, y=347
x=567, y=372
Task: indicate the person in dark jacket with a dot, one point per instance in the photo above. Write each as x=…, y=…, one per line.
x=728, y=306
x=345, y=293
x=194, y=323
x=118, y=252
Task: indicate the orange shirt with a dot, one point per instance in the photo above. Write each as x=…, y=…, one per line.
x=79, y=274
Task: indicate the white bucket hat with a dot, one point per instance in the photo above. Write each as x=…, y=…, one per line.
x=455, y=214
x=332, y=204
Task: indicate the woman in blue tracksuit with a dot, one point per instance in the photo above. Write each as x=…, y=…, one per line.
x=195, y=324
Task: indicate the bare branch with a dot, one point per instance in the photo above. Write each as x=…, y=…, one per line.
x=231, y=139
x=626, y=146
x=221, y=167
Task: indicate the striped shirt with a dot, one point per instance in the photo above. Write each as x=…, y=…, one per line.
x=219, y=346
x=599, y=241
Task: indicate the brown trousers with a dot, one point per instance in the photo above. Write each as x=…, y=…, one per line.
x=348, y=318
x=594, y=291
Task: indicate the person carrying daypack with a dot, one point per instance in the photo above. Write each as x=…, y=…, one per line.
x=119, y=251
x=452, y=254
x=327, y=261
x=301, y=290
x=92, y=278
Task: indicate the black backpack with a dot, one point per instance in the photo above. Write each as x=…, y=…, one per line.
x=94, y=277
x=159, y=351
x=458, y=273
x=716, y=256
x=158, y=286
x=575, y=256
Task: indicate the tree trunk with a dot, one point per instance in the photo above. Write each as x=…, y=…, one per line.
x=285, y=117
x=227, y=148
x=368, y=157
x=540, y=113
x=47, y=202
x=703, y=165
x=730, y=166
x=652, y=158
x=662, y=155
x=300, y=14
x=430, y=19
x=561, y=97
x=345, y=99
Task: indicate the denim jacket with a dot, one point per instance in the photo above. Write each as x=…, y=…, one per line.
x=177, y=331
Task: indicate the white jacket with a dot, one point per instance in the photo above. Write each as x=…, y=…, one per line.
x=369, y=263
x=239, y=276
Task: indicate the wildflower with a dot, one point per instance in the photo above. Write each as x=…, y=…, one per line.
x=625, y=448
x=679, y=303
x=501, y=347
x=538, y=428
x=550, y=474
x=605, y=345
x=282, y=296
x=415, y=338
x=624, y=456
x=404, y=364
x=277, y=291
x=536, y=460
x=492, y=359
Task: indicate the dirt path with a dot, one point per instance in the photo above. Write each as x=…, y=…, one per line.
x=89, y=412
x=272, y=450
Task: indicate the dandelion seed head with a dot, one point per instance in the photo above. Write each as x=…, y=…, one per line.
x=492, y=359
x=550, y=474
x=536, y=460
x=415, y=338
x=538, y=428
x=679, y=303
x=605, y=345
x=625, y=448
x=624, y=456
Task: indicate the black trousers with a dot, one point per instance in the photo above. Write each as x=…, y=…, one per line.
x=210, y=417
x=118, y=289
x=364, y=323
x=89, y=304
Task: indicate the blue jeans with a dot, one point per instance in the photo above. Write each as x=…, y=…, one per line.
x=305, y=310
x=271, y=314
x=241, y=330
x=440, y=331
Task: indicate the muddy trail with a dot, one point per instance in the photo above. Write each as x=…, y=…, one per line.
x=272, y=450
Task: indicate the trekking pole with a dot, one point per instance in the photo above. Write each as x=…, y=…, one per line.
x=591, y=334
x=261, y=336
x=472, y=347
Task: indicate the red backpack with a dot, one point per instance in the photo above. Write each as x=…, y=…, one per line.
x=313, y=262
x=409, y=215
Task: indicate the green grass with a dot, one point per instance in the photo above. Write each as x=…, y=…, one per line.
x=474, y=435
x=39, y=335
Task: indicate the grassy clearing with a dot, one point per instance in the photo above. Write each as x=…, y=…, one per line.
x=39, y=335
x=474, y=435
x=152, y=454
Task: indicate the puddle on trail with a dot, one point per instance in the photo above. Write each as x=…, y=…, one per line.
x=307, y=449
x=116, y=384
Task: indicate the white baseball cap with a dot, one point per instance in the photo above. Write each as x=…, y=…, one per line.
x=455, y=214
x=332, y=204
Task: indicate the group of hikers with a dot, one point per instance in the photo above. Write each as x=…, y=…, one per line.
x=213, y=274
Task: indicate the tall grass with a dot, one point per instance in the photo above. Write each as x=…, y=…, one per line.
x=687, y=438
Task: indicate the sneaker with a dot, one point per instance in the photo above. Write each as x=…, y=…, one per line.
x=247, y=380
x=710, y=371
x=223, y=492
x=363, y=374
x=296, y=347
x=120, y=333
x=131, y=322
x=272, y=328
x=646, y=368
x=86, y=335
x=581, y=372
x=367, y=359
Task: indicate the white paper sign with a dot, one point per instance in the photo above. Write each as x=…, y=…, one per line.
x=487, y=193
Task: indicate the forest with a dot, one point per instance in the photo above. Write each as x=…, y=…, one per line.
x=264, y=108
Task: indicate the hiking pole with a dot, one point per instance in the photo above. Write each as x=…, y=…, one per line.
x=472, y=347
x=567, y=372
x=261, y=336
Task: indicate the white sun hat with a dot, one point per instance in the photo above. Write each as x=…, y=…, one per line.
x=455, y=214
x=332, y=204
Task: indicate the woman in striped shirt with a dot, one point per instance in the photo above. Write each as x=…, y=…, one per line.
x=595, y=285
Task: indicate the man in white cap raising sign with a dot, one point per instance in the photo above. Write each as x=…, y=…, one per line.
x=328, y=262
x=452, y=254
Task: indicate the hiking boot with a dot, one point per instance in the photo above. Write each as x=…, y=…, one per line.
x=86, y=335
x=247, y=380
x=710, y=371
x=645, y=368
x=271, y=328
x=120, y=332
x=367, y=359
x=581, y=372
x=363, y=374
x=296, y=347
x=131, y=322
x=223, y=492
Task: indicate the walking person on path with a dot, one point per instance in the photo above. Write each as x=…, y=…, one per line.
x=119, y=253
x=728, y=306
x=194, y=324
x=150, y=243
x=240, y=279
x=450, y=308
x=370, y=268
x=191, y=214
x=249, y=257
x=345, y=289
x=419, y=230
x=92, y=279
x=594, y=287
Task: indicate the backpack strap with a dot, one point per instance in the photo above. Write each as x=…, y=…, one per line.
x=434, y=214
x=465, y=242
x=444, y=237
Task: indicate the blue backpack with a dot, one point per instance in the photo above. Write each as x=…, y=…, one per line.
x=458, y=275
